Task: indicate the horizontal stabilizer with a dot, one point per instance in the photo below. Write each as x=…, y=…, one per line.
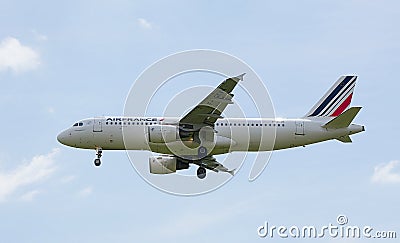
x=345, y=139
x=344, y=119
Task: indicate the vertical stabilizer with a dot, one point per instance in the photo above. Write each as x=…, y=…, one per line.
x=336, y=100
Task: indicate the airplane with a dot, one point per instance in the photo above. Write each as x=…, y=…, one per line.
x=202, y=133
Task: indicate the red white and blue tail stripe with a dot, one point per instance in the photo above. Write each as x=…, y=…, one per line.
x=336, y=100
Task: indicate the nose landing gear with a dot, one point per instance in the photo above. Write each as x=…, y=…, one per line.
x=97, y=161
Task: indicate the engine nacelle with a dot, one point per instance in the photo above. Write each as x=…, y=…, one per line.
x=166, y=164
x=163, y=133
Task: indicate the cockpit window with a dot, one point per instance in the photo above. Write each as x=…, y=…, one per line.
x=78, y=124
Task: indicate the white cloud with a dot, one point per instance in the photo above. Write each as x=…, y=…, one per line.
x=386, y=172
x=144, y=23
x=37, y=170
x=29, y=195
x=85, y=191
x=68, y=179
x=17, y=57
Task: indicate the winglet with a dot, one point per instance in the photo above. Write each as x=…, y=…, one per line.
x=232, y=172
x=222, y=168
x=239, y=77
x=344, y=119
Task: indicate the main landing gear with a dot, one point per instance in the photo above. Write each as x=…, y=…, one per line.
x=201, y=172
x=201, y=153
x=97, y=161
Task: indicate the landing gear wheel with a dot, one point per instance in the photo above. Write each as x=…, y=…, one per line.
x=202, y=152
x=97, y=162
x=201, y=172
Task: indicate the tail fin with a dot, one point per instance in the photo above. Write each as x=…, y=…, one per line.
x=336, y=100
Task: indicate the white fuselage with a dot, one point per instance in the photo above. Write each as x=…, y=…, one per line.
x=234, y=134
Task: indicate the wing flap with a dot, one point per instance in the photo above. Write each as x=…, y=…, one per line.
x=211, y=163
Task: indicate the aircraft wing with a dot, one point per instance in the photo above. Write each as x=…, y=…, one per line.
x=209, y=162
x=210, y=108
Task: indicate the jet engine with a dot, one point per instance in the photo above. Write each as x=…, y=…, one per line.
x=166, y=164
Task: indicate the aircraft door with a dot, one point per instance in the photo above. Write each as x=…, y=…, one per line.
x=299, y=128
x=97, y=125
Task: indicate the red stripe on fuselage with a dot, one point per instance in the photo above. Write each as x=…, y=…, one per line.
x=343, y=106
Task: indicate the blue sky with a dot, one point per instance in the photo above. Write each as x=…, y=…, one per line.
x=61, y=62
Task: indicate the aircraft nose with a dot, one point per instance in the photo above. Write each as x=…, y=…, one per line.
x=61, y=138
